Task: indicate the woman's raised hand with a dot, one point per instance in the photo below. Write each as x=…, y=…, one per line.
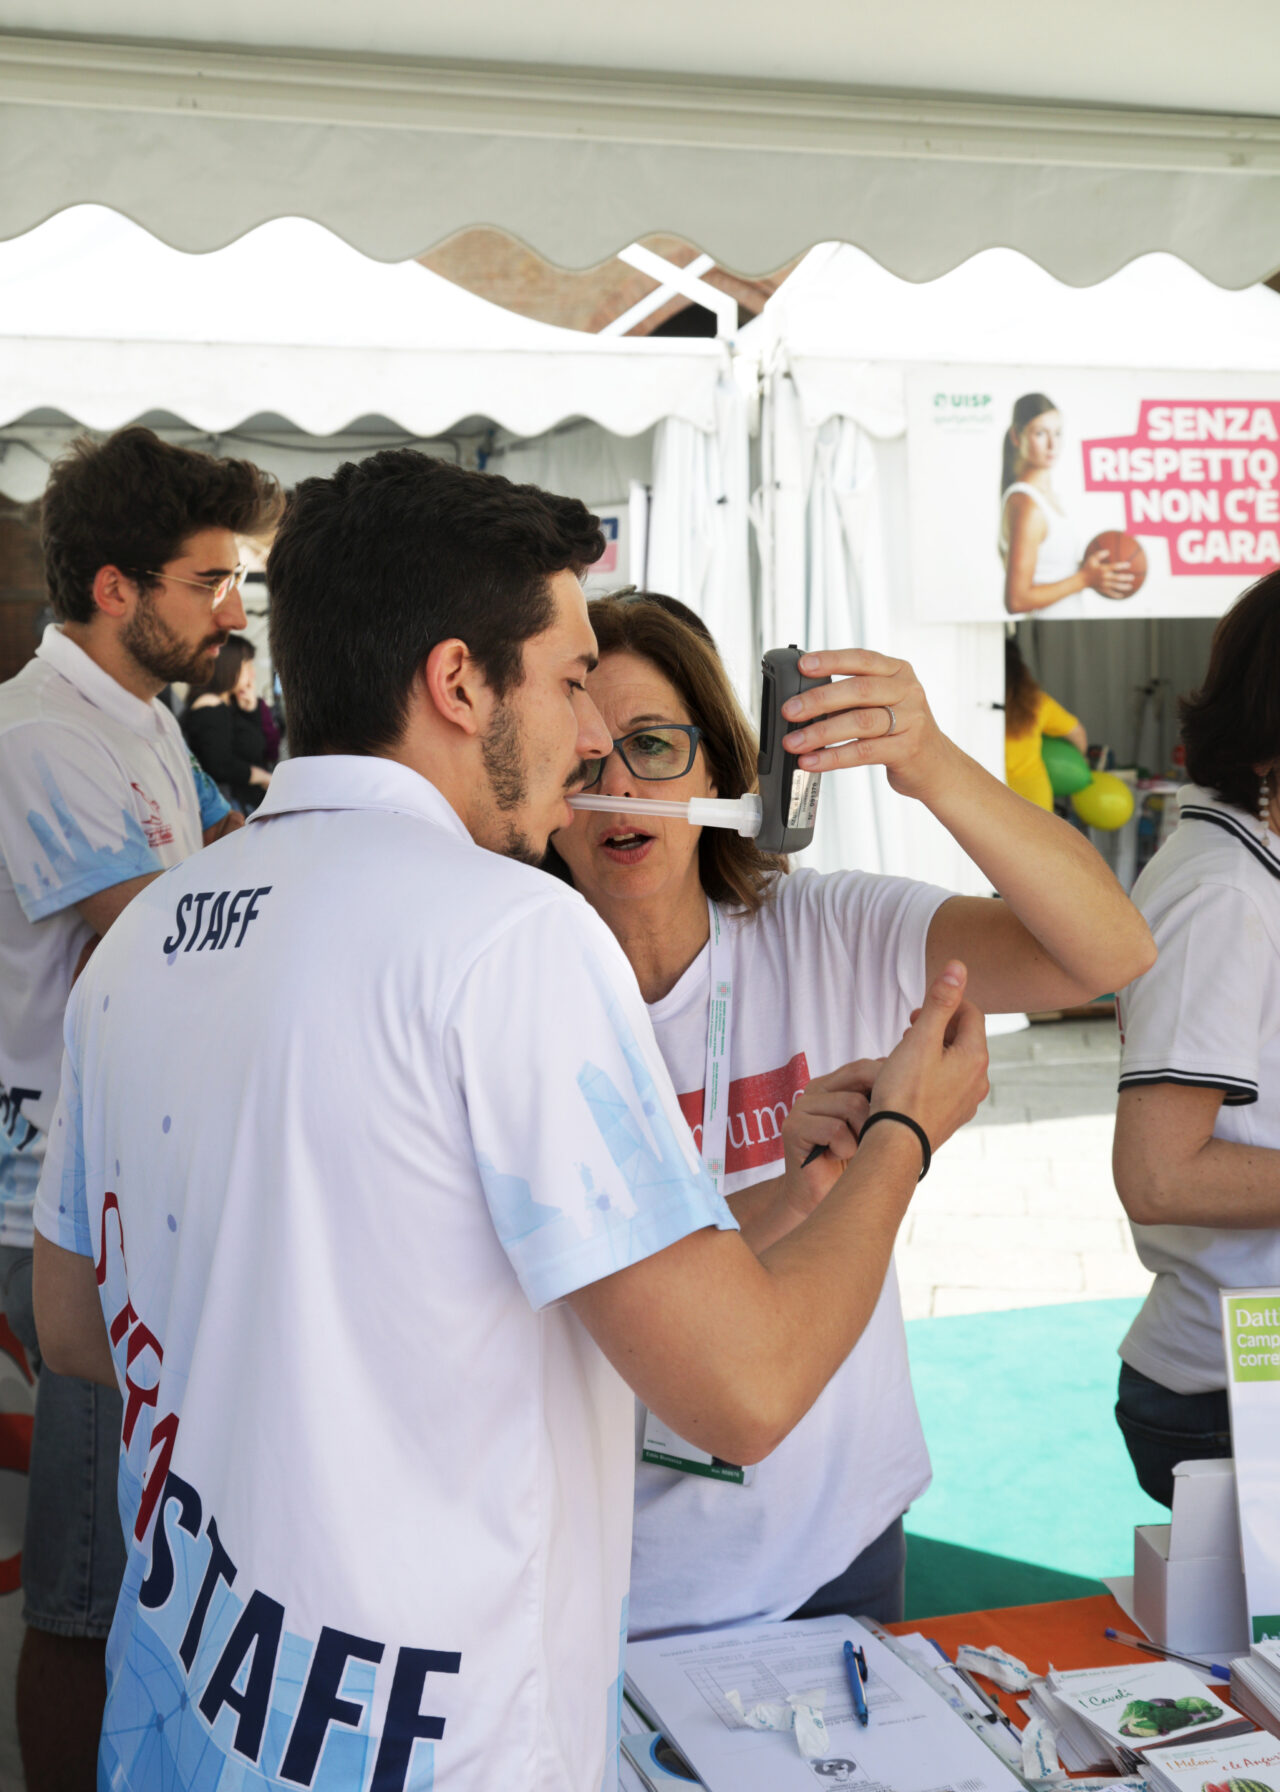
x=938, y=1074
x=1104, y=578
x=874, y=713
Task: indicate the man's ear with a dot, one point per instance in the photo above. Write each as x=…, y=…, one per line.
x=456, y=688
x=113, y=594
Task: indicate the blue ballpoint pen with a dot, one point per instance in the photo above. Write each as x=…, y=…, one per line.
x=855, y=1665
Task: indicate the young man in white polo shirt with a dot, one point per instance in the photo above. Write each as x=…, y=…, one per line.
x=381, y=1221
x=97, y=797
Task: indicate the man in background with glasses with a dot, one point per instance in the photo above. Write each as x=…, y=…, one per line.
x=97, y=798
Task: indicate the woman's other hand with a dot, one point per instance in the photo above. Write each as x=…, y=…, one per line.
x=1104, y=578
x=874, y=713
x=829, y=1117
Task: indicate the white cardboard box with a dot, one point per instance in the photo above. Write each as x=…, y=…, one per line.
x=1188, y=1581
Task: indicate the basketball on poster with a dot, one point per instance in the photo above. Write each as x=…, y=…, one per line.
x=1072, y=495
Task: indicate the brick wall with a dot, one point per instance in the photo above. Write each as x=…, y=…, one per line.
x=22, y=593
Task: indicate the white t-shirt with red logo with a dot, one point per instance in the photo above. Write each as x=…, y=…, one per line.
x=826, y=972
x=96, y=787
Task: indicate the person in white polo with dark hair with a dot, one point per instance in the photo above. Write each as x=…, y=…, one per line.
x=97, y=797
x=367, y=1158
x=1197, y=1145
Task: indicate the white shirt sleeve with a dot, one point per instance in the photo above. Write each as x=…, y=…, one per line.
x=587, y=1163
x=1196, y=1016
x=882, y=924
x=67, y=825
x=62, y=1207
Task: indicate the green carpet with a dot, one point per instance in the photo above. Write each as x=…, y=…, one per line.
x=1033, y=1494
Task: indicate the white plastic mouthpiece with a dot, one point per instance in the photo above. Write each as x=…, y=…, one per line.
x=743, y=812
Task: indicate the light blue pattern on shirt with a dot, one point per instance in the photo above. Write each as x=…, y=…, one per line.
x=213, y=805
x=19, y=1175
x=76, y=869
x=155, y=1737
x=64, y=1193
x=646, y=1197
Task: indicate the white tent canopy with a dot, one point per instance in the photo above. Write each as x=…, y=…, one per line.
x=103, y=322
x=292, y=348
x=849, y=326
x=834, y=345
x=1101, y=133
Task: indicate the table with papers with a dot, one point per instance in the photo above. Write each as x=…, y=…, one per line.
x=1066, y=1633
x=914, y=1742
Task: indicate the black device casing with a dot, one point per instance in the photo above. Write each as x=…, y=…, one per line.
x=788, y=794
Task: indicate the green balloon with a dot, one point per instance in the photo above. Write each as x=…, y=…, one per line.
x=1066, y=765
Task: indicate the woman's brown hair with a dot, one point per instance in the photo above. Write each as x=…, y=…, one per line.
x=1021, y=692
x=233, y=653
x=665, y=632
x=1232, y=723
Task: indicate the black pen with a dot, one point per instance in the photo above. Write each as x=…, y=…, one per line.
x=993, y=1712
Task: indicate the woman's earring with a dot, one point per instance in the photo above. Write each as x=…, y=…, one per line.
x=1264, y=807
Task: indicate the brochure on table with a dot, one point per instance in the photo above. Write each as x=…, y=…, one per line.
x=914, y=1741
x=1255, y=1684
x=1120, y=1714
x=1251, y=1330
x=1248, y=1761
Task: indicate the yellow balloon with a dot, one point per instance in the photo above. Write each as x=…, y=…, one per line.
x=1105, y=802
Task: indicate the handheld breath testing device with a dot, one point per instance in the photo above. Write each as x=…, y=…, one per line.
x=788, y=794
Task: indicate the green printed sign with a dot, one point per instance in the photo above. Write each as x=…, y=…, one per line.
x=1266, y=1627
x=1253, y=1337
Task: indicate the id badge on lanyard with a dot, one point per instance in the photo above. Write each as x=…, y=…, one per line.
x=661, y=1445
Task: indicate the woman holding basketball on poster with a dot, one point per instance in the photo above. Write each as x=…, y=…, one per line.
x=1039, y=544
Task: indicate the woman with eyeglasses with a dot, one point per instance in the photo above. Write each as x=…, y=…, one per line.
x=821, y=973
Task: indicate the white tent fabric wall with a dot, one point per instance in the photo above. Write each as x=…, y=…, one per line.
x=577, y=457
x=834, y=343
x=831, y=509
x=859, y=818
x=27, y=448
x=698, y=530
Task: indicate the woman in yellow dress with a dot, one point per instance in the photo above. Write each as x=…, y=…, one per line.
x=1030, y=714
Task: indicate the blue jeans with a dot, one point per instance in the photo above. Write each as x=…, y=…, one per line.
x=1162, y=1428
x=73, y=1551
x=872, y=1586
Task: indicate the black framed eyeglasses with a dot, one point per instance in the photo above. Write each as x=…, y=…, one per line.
x=666, y=750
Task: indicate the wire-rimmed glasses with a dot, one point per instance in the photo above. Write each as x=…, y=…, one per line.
x=217, y=591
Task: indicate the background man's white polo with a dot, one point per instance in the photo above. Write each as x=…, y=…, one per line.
x=96, y=788
x=350, y=1104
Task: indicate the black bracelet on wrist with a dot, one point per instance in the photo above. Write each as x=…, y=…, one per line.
x=903, y=1120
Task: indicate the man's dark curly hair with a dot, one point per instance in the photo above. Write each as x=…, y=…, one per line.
x=131, y=502
x=376, y=565
x=1232, y=723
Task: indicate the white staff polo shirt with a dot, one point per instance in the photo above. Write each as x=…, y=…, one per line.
x=349, y=1105
x=1206, y=1015
x=96, y=787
